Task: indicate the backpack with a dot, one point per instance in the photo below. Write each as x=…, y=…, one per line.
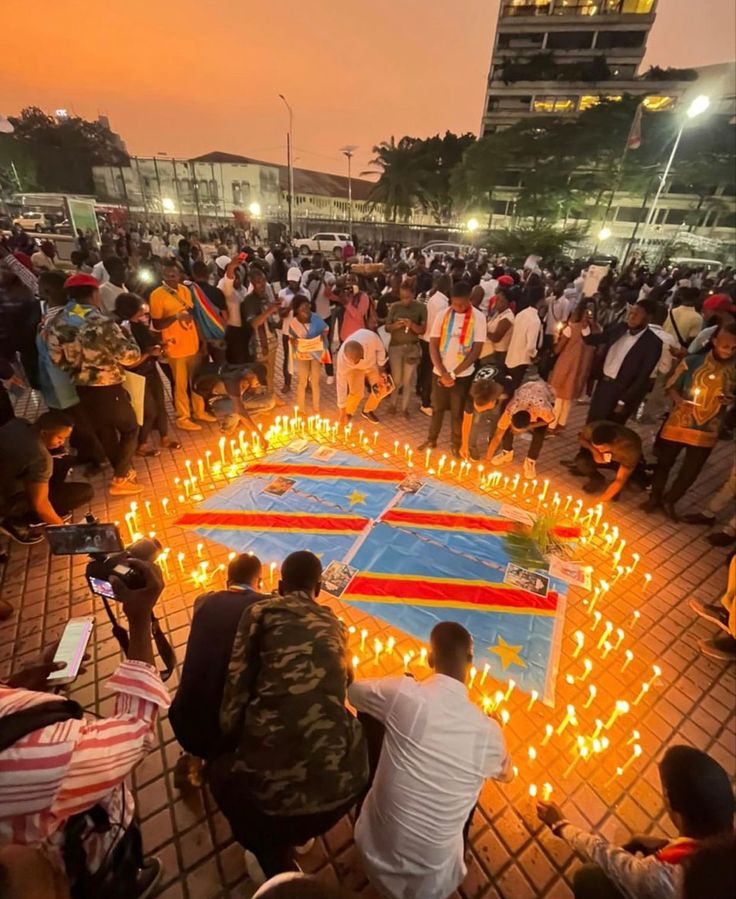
x=116, y=877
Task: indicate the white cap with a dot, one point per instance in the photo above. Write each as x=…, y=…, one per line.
x=294, y=274
x=223, y=261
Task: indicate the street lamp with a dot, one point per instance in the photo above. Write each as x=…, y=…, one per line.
x=348, y=151
x=604, y=233
x=290, y=163
x=473, y=224
x=696, y=108
x=255, y=209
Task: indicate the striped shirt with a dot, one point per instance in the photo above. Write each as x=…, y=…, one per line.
x=66, y=768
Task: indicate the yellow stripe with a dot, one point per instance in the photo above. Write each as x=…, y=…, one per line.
x=399, y=600
x=374, y=575
x=258, y=527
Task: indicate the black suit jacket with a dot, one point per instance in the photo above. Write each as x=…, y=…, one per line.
x=195, y=711
x=636, y=369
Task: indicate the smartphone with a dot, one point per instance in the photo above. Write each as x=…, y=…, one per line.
x=100, y=587
x=80, y=539
x=71, y=649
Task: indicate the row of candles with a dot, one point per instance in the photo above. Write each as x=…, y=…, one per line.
x=234, y=455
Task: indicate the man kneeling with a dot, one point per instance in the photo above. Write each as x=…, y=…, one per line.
x=437, y=750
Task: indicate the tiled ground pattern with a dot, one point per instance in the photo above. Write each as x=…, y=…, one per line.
x=511, y=857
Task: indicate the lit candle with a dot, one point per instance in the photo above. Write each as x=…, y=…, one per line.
x=546, y=791
x=147, y=506
x=597, y=616
x=165, y=503
x=598, y=727
x=426, y=457
x=532, y=753
x=532, y=790
x=375, y=438
x=620, y=634
x=568, y=719
x=208, y=459
x=635, y=617
x=642, y=693
x=396, y=447
x=635, y=557
x=621, y=708
x=588, y=667
x=548, y=731
x=356, y=662
x=221, y=446
x=505, y=716
x=533, y=698
x=407, y=659
x=657, y=673
x=696, y=396
x=188, y=466
x=486, y=669
x=473, y=672
x=596, y=594
x=378, y=649
x=200, y=469
x=637, y=751
x=180, y=559
x=390, y=643
x=635, y=736
x=510, y=690
x=629, y=659
x=271, y=572
x=582, y=753
x=607, y=647
x=423, y=657
x=441, y=464
x=647, y=581
x=592, y=692
x=363, y=635
x=580, y=641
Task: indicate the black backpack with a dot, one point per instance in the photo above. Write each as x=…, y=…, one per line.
x=116, y=877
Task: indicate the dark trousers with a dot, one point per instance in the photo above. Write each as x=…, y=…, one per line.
x=547, y=358
x=424, y=375
x=64, y=496
x=285, y=362
x=236, y=345
x=590, y=882
x=110, y=409
x=603, y=403
x=84, y=439
x=535, y=447
x=330, y=367
x=517, y=375
x=667, y=453
x=452, y=398
x=154, y=409
x=586, y=465
x=6, y=407
x=270, y=838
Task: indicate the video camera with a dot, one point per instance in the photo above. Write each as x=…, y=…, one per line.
x=108, y=556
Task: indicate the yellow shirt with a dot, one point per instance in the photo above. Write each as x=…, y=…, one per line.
x=180, y=338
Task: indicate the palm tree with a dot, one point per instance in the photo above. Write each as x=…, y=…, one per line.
x=400, y=179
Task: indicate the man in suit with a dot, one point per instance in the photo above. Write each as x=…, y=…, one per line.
x=632, y=353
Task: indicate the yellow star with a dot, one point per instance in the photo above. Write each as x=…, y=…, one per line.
x=508, y=654
x=356, y=497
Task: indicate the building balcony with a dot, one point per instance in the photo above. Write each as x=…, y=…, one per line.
x=577, y=8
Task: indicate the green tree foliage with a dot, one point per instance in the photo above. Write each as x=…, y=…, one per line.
x=63, y=151
x=417, y=172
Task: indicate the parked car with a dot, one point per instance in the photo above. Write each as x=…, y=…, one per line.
x=324, y=242
x=31, y=221
x=444, y=248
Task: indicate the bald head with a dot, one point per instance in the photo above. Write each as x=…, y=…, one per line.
x=353, y=351
x=450, y=650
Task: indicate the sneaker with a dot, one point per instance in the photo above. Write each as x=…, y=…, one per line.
x=123, y=487
x=669, y=510
x=148, y=877
x=530, y=469
x=146, y=449
x=426, y=410
x=330, y=379
x=713, y=612
x=206, y=416
x=21, y=534
x=170, y=443
x=593, y=486
x=721, y=647
x=720, y=538
x=371, y=416
x=94, y=468
x=254, y=869
x=504, y=457
x=186, y=424
x=456, y=454
x=428, y=444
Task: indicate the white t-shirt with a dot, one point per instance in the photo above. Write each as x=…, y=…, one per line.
x=321, y=303
x=234, y=296
x=437, y=303
x=526, y=338
x=489, y=286
x=286, y=298
x=455, y=353
x=374, y=357
x=437, y=751
x=109, y=292
x=500, y=346
x=666, y=359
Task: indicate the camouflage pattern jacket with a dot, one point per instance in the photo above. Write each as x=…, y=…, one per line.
x=300, y=750
x=89, y=346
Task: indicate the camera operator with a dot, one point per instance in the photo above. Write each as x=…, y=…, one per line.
x=195, y=710
x=62, y=775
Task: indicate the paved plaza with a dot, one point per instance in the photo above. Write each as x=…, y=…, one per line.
x=511, y=855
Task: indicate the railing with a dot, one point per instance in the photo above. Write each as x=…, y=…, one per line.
x=579, y=8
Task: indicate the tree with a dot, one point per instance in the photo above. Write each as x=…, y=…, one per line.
x=64, y=150
x=399, y=185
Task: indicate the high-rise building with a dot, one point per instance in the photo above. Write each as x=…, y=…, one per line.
x=560, y=57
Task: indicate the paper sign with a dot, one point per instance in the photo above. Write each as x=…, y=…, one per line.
x=516, y=514
x=571, y=572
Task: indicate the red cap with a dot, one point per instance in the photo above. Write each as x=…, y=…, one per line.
x=505, y=281
x=81, y=280
x=719, y=302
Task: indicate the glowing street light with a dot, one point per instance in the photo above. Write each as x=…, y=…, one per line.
x=168, y=204
x=698, y=106
x=255, y=209
x=604, y=233
x=473, y=224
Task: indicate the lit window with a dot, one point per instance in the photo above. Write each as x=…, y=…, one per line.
x=587, y=101
x=656, y=104
x=553, y=104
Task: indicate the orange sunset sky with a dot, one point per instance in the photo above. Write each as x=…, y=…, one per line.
x=191, y=76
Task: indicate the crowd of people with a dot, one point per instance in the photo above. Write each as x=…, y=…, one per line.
x=502, y=352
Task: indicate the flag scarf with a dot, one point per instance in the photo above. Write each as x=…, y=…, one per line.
x=466, y=331
x=206, y=314
x=439, y=554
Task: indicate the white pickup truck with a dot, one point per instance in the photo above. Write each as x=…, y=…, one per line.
x=324, y=242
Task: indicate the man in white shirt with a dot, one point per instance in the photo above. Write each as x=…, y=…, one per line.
x=360, y=359
x=684, y=322
x=438, y=302
x=286, y=298
x=526, y=339
x=111, y=289
x=438, y=748
x=455, y=343
x=318, y=283
x=231, y=285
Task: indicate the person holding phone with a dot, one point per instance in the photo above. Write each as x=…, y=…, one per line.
x=406, y=322
x=81, y=768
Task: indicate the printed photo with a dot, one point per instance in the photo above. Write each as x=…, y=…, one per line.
x=279, y=486
x=336, y=577
x=531, y=581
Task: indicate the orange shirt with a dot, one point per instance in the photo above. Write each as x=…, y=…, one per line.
x=180, y=338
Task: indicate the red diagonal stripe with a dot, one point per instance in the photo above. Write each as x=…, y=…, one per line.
x=273, y=520
x=451, y=521
x=328, y=471
x=478, y=594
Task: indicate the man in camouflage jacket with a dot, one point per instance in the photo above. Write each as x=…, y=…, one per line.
x=301, y=761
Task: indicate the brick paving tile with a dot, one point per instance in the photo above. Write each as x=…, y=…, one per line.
x=511, y=856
